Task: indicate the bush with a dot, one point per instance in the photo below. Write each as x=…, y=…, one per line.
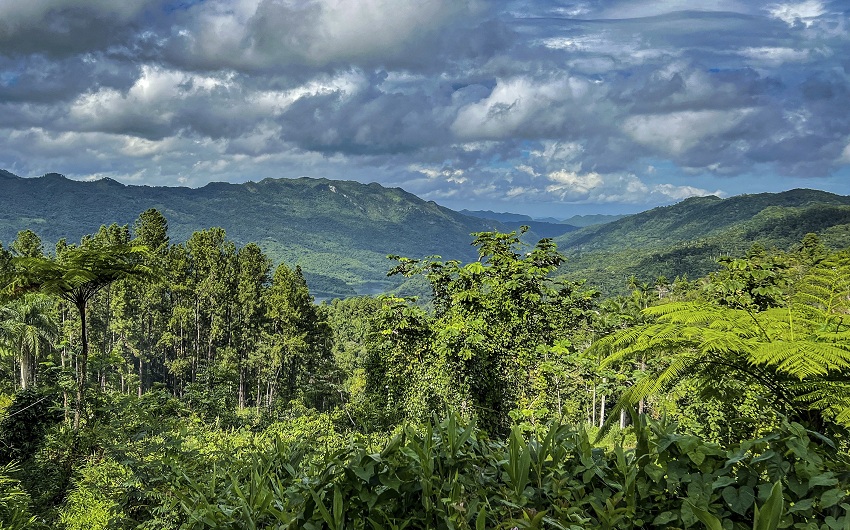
x=451, y=475
x=15, y=502
x=22, y=428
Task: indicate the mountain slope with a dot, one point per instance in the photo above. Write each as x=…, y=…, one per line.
x=540, y=229
x=688, y=237
x=691, y=219
x=340, y=232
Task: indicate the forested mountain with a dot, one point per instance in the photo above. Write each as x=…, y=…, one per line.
x=591, y=219
x=339, y=232
x=688, y=237
x=549, y=228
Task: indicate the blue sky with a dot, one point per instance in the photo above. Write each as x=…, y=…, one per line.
x=549, y=108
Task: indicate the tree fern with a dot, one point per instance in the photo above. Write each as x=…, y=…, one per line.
x=800, y=354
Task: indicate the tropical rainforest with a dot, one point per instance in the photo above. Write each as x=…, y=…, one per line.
x=153, y=382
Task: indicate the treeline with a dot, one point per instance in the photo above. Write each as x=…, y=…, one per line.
x=147, y=384
x=210, y=323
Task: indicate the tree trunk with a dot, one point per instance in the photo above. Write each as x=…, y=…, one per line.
x=64, y=356
x=84, y=358
x=241, y=384
x=141, y=374
x=602, y=406
x=593, y=406
x=602, y=410
x=26, y=369
x=641, y=402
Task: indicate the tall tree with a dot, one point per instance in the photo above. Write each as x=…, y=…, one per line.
x=300, y=339
x=76, y=276
x=492, y=319
x=253, y=278
x=141, y=306
x=213, y=283
x=27, y=245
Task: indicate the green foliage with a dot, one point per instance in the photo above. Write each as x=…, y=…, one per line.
x=25, y=422
x=97, y=498
x=222, y=396
x=798, y=355
x=15, y=502
x=493, y=319
x=28, y=330
x=451, y=475
x=754, y=283
x=27, y=245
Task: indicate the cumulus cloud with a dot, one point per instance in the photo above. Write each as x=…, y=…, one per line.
x=280, y=35
x=514, y=101
x=676, y=133
x=793, y=13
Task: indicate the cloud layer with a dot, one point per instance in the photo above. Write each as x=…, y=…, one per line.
x=626, y=103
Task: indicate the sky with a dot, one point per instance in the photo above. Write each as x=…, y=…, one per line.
x=547, y=107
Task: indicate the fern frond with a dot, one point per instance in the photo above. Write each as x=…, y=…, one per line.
x=832, y=397
x=825, y=290
x=646, y=339
x=687, y=313
x=802, y=359
x=711, y=341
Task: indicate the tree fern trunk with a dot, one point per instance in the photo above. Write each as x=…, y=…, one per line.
x=83, y=362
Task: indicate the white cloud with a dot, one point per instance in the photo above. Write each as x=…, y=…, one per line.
x=519, y=104
x=683, y=192
x=775, y=56
x=676, y=133
x=574, y=182
x=792, y=12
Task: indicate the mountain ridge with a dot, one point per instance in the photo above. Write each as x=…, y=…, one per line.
x=339, y=232
x=685, y=239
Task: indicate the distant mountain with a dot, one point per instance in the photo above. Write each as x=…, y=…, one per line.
x=593, y=219
x=502, y=217
x=339, y=232
x=513, y=221
x=688, y=237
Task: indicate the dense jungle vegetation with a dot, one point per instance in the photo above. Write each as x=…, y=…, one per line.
x=152, y=385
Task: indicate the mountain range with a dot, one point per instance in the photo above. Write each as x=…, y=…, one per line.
x=340, y=232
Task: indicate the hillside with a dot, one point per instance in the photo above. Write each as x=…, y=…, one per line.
x=339, y=232
x=513, y=221
x=688, y=237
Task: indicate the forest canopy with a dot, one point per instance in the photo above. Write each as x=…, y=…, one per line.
x=152, y=384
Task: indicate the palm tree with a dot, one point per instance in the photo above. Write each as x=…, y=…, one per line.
x=798, y=354
x=27, y=326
